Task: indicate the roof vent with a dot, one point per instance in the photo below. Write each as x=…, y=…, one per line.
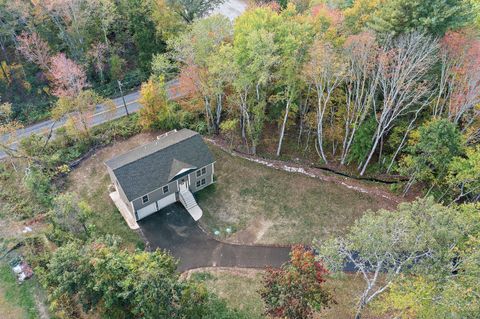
x=166, y=134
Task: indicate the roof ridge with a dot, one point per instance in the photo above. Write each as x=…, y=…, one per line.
x=151, y=152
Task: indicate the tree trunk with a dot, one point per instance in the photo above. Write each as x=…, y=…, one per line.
x=372, y=151
x=282, y=131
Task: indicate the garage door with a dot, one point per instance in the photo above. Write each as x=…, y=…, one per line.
x=170, y=199
x=147, y=210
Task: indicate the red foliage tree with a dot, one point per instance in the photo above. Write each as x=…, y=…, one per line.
x=297, y=289
x=34, y=49
x=68, y=78
x=460, y=81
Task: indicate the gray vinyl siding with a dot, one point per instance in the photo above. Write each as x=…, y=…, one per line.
x=155, y=196
x=118, y=187
x=208, y=178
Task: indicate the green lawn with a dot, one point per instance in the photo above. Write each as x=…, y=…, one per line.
x=266, y=205
x=90, y=181
x=16, y=301
x=239, y=288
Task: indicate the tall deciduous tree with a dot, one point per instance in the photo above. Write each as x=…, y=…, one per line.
x=443, y=292
x=292, y=37
x=325, y=70
x=434, y=17
x=459, y=87
x=431, y=151
x=34, y=49
x=255, y=57
x=204, y=65
x=384, y=246
x=154, y=99
x=361, y=52
x=68, y=78
x=402, y=68
x=190, y=10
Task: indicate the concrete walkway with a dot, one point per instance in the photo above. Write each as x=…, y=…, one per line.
x=173, y=229
x=122, y=207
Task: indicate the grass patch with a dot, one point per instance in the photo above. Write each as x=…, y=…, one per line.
x=277, y=206
x=239, y=287
x=16, y=301
x=90, y=181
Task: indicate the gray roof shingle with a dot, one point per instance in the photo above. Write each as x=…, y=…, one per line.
x=151, y=166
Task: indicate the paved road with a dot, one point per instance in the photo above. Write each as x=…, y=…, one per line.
x=230, y=9
x=173, y=229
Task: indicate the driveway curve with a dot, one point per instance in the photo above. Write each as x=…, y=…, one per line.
x=174, y=230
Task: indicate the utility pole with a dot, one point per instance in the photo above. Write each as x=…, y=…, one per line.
x=123, y=97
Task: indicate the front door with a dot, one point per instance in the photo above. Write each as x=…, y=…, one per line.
x=183, y=184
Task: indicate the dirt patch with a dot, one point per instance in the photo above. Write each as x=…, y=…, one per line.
x=41, y=307
x=253, y=233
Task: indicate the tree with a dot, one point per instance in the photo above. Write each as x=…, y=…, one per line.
x=459, y=89
x=325, y=70
x=432, y=149
x=162, y=66
x=79, y=110
x=434, y=17
x=71, y=215
x=154, y=99
x=118, y=283
x=190, y=10
x=361, y=53
x=438, y=293
x=255, y=57
x=68, y=78
x=297, y=289
x=34, y=49
x=8, y=129
x=385, y=246
x=291, y=35
x=402, y=68
x=98, y=55
x=204, y=65
x=464, y=175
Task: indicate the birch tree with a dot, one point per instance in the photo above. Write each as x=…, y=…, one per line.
x=325, y=70
x=255, y=59
x=402, y=67
x=197, y=51
x=459, y=88
x=382, y=246
x=361, y=52
x=293, y=44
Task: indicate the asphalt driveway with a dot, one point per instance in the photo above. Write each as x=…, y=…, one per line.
x=173, y=229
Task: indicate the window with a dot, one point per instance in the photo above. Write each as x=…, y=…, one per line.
x=202, y=171
x=165, y=189
x=203, y=181
x=198, y=183
x=145, y=199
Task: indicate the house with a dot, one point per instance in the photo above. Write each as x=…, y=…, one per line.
x=169, y=169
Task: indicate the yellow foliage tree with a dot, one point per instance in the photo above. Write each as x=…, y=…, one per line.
x=154, y=100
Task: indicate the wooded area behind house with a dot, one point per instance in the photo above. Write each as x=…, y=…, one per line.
x=369, y=88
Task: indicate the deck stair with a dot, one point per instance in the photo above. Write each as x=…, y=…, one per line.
x=187, y=199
